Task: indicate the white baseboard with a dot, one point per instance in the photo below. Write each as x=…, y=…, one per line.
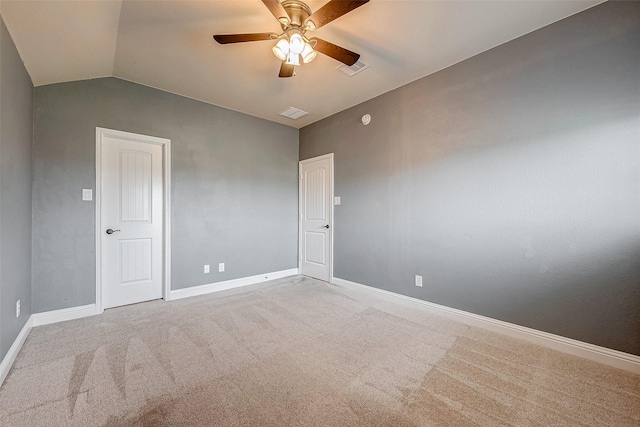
x=11, y=355
x=606, y=356
x=230, y=284
x=56, y=316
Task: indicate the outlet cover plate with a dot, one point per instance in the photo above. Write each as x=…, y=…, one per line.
x=221, y=267
x=418, y=280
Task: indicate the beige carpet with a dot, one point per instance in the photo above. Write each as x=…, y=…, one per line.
x=300, y=352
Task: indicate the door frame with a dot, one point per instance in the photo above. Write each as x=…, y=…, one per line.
x=166, y=181
x=331, y=206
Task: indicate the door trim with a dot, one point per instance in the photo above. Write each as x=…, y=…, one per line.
x=166, y=175
x=331, y=222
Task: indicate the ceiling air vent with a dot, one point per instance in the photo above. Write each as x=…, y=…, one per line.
x=356, y=68
x=293, y=113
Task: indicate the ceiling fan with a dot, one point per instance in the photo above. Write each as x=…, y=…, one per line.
x=296, y=19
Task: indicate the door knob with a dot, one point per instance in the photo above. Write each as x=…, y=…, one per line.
x=110, y=231
x=326, y=226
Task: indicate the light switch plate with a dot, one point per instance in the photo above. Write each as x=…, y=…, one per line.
x=87, y=194
x=336, y=201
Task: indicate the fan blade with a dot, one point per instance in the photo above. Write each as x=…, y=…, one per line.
x=277, y=10
x=241, y=38
x=332, y=10
x=336, y=52
x=286, y=70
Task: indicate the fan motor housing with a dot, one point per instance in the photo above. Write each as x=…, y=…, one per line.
x=298, y=12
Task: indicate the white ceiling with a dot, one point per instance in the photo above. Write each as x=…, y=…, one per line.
x=169, y=45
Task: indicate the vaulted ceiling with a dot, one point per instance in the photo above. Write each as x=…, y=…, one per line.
x=169, y=45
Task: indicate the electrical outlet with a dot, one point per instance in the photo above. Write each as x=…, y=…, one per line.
x=18, y=308
x=418, y=280
x=206, y=269
x=221, y=267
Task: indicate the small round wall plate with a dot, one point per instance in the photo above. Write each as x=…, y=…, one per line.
x=366, y=119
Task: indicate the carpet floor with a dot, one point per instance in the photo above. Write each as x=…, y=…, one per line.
x=297, y=351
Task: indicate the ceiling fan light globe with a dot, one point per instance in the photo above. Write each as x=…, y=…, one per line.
x=293, y=58
x=281, y=49
x=308, y=54
x=296, y=43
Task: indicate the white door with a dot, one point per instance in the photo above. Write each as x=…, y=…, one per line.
x=131, y=221
x=316, y=192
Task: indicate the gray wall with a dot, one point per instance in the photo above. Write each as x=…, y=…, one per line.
x=234, y=186
x=510, y=181
x=16, y=135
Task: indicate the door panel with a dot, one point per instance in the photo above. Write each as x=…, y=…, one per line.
x=135, y=260
x=315, y=244
x=315, y=217
x=131, y=206
x=315, y=190
x=135, y=186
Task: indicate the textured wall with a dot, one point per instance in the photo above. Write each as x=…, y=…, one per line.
x=510, y=182
x=16, y=135
x=234, y=186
